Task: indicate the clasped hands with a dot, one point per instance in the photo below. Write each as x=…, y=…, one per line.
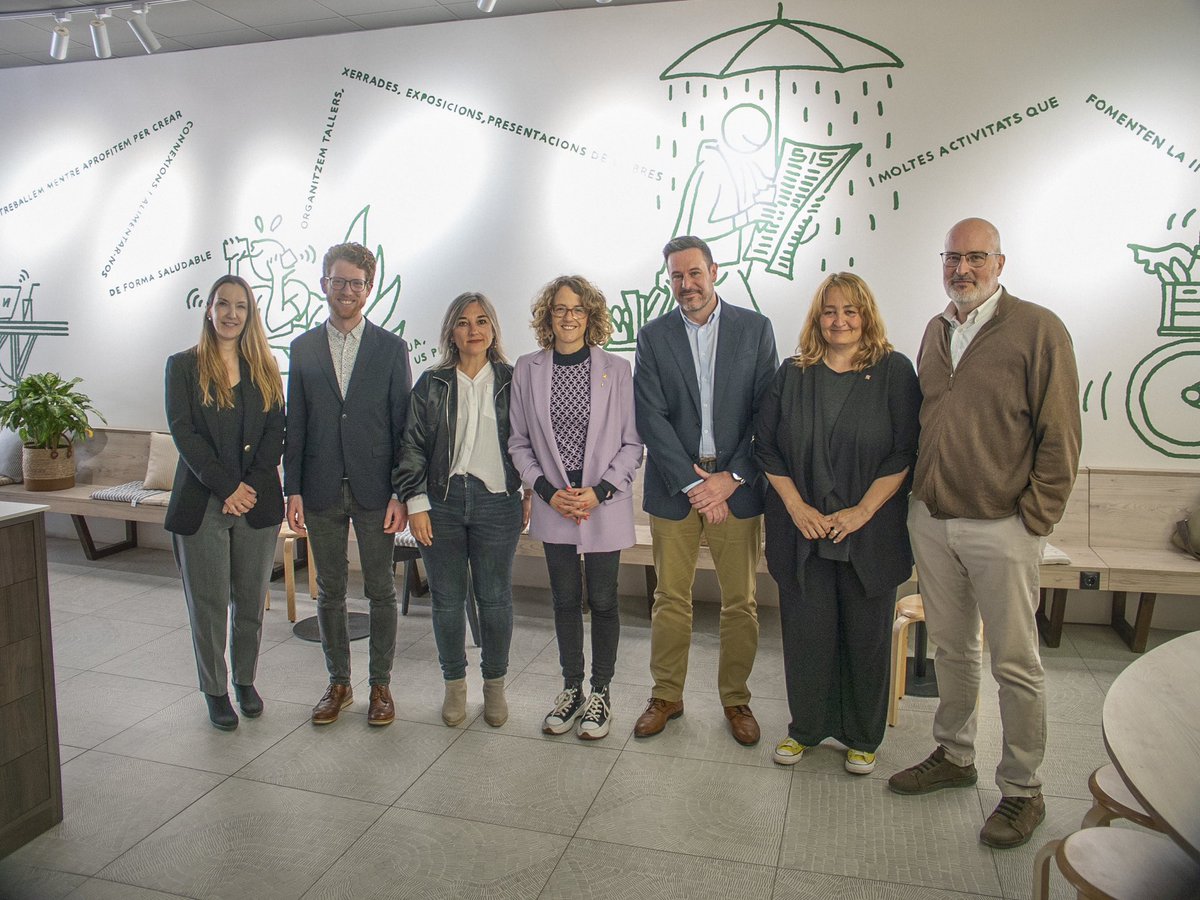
x=709, y=496
x=815, y=525
x=241, y=501
x=574, y=503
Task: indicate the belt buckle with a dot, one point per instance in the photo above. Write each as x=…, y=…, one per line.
x=707, y=463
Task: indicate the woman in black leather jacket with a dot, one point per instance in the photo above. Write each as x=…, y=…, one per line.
x=464, y=498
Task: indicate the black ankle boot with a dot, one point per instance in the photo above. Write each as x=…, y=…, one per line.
x=248, y=700
x=220, y=712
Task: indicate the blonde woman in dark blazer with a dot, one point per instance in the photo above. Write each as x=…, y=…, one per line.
x=225, y=411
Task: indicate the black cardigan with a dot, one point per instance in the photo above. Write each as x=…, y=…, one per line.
x=875, y=435
x=200, y=474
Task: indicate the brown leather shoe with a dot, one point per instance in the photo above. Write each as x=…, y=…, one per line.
x=1012, y=823
x=337, y=697
x=658, y=713
x=382, y=710
x=743, y=725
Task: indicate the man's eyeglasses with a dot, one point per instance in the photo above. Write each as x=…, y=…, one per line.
x=575, y=312
x=357, y=285
x=974, y=260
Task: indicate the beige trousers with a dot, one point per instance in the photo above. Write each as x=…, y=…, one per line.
x=735, y=545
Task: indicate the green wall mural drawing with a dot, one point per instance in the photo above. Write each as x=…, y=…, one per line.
x=19, y=330
x=755, y=195
x=1162, y=399
x=286, y=281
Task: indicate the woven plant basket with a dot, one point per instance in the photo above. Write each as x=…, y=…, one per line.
x=48, y=470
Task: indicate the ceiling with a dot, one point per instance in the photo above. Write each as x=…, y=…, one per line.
x=196, y=24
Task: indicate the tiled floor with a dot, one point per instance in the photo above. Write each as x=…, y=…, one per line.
x=160, y=804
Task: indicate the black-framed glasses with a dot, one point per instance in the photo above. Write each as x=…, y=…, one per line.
x=357, y=285
x=575, y=312
x=975, y=259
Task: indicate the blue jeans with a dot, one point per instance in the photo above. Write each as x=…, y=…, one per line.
x=566, y=583
x=328, y=534
x=475, y=535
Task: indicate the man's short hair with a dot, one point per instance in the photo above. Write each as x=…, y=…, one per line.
x=355, y=254
x=687, y=242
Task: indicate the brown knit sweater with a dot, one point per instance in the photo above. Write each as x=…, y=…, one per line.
x=1001, y=434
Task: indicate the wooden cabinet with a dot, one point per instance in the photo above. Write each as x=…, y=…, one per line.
x=30, y=782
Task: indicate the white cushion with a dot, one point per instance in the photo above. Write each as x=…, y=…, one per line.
x=160, y=469
x=10, y=455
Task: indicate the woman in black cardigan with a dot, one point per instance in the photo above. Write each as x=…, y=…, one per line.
x=836, y=435
x=225, y=410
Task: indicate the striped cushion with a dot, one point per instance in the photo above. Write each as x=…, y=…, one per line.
x=132, y=492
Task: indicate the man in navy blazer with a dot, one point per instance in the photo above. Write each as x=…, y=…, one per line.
x=347, y=401
x=700, y=375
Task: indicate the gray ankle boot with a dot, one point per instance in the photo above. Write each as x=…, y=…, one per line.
x=454, y=706
x=495, y=707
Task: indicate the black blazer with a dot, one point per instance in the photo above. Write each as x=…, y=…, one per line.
x=359, y=437
x=875, y=435
x=200, y=474
x=667, y=407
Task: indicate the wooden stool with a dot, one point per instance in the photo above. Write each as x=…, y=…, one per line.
x=289, y=570
x=1111, y=799
x=1119, y=864
x=909, y=609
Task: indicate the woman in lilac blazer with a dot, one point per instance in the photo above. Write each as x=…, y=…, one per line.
x=574, y=441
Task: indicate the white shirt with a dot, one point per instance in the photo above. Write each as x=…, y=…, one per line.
x=344, y=350
x=962, y=333
x=703, y=341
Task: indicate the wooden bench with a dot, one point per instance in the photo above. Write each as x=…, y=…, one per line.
x=1085, y=572
x=113, y=456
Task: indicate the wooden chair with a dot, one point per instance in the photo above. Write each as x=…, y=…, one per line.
x=1111, y=799
x=909, y=609
x=1118, y=864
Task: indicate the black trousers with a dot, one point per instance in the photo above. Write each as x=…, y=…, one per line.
x=836, y=644
x=566, y=584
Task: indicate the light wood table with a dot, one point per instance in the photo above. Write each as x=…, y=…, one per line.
x=1152, y=732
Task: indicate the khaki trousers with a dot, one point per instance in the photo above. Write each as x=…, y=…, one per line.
x=984, y=568
x=735, y=545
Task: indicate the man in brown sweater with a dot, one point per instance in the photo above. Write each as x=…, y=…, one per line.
x=999, y=448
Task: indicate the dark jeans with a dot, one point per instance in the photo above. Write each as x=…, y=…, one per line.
x=475, y=535
x=328, y=534
x=836, y=646
x=566, y=583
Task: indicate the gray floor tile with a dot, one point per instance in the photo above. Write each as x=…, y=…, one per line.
x=418, y=690
x=169, y=659
x=703, y=808
x=792, y=884
x=67, y=753
x=246, y=839
x=94, y=706
x=408, y=854
x=857, y=827
x=521, y=782
x=295, y=671
x=182, y=735
x=1063, y=817
x=162, y=606
x=109, y=804
x=62, y=673
x=616, y=872
x=100, y=588
x=19, y=881
x=88, y=641
x=100, y=889
x=702, y=732
x=61, y=571
x=1102, y=642
x=1073, y=752
x=351, y=758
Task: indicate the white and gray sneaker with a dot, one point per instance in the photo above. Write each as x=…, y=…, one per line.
x=593, y=724
x=567, y=707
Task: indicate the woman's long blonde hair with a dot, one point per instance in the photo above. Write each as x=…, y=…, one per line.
x=252, y=347
x=872, y=346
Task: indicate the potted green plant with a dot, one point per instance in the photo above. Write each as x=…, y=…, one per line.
x=48, y=414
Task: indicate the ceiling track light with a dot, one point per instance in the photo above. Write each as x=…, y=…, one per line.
x=141, y=30
x=99, y=31
x=486, y=5
x=60, y=37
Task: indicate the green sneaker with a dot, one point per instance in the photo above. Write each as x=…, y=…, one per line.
x=860, y=762
x=788, y=753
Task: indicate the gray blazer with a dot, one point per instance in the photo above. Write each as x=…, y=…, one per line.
x=359, y=437
x=667, y=406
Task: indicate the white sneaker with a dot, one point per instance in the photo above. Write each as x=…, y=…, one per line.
x=593, y=724
x=567, y=707
x=860, y=762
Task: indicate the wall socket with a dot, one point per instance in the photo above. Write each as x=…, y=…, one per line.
x=1089, y=581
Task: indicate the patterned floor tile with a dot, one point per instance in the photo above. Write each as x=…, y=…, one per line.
x=792, y=884
x=94, y=706
x=99, y=589
x=88, y=641
x=19, y=881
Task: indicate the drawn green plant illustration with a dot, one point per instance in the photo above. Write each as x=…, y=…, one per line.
x=754, y=194
x=1162, y=399
x=19, y=330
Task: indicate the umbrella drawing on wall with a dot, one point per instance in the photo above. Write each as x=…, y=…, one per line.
x=780, y=45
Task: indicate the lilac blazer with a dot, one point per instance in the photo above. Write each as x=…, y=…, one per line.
x=613, y=452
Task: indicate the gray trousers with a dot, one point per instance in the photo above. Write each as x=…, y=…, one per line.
x=226, y=568
x=973, y=569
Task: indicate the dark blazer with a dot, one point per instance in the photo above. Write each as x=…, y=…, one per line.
x=667, y=407
x=359, y=437
x=200, y=474
x=875, y=435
